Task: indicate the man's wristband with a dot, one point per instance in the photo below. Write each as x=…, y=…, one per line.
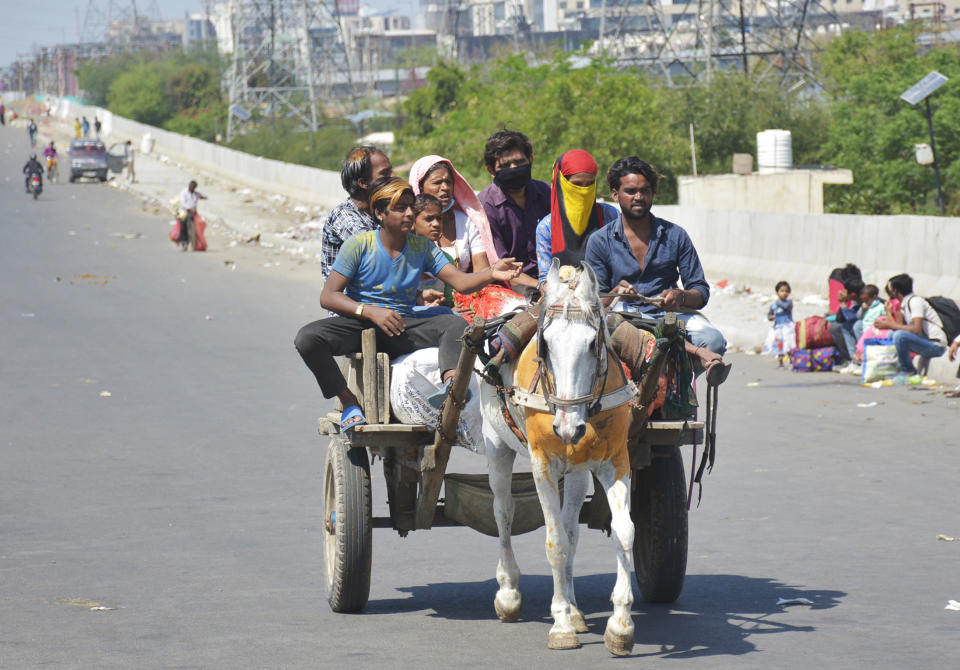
x=359, y=310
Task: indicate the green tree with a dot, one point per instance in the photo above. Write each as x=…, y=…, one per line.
x=94, y=78
x=141, y=94
x=873, y=132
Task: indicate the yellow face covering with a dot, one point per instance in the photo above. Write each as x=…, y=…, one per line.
x=578, y=202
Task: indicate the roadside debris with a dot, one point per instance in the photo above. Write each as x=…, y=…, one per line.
x=105, y=394
x=867, y=404
x=947, y=538
x=953, y=606
x=794, y=601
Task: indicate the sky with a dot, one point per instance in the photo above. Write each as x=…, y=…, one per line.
x=25, y=24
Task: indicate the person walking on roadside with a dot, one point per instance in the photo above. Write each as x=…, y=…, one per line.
x=3, y=111
x=188, y=209
x=362, y=166
x=131, y=175
x=86, y=127
x=77, y=128
x=32, y=132
x=97, y=126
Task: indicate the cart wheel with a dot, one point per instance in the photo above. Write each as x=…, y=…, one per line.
x=659, y=511
x=348, y=536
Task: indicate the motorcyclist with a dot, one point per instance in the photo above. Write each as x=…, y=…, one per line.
x=33, y=167
x=50, y=156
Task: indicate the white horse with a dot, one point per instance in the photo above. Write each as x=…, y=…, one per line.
x=568, y=436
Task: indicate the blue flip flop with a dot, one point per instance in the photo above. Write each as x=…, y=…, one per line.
x=351, y=418
x=436, y=400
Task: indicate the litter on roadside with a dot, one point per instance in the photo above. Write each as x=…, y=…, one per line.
x=794, y=601
x=953, y=606
x=867, y=404
x=947, y=538
x=753, y=383
x=105, y=394
x=102, y=608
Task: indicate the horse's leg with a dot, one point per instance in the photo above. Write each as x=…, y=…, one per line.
x=575, y=486
x=563, y=634
x=618, y=637
x=500, y=463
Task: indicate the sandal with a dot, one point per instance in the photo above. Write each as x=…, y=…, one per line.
x=717, y=373
x=436, y=400
x=351, y=418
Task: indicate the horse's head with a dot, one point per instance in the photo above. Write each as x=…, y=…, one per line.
x=572, y=348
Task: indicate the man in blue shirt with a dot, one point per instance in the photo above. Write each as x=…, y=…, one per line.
x=374, y=279
x=615, y=252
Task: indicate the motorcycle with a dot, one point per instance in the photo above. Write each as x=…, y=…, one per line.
x=52, y=169
x=34, y=185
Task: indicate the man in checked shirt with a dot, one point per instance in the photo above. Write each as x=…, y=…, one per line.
x=362, y=166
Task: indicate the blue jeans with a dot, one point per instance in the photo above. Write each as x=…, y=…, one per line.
x=844, y=339
x=700, y=331
x=907, y=343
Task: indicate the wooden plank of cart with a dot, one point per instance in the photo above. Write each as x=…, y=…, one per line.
x=414, y=466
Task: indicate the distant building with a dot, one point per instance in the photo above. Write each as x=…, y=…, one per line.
x=198, y=28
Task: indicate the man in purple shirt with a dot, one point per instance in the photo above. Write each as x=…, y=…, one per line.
x=514, y=203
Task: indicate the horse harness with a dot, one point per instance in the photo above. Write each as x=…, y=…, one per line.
x=548, y=401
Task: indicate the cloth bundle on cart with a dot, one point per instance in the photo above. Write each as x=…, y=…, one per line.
x=413, y=379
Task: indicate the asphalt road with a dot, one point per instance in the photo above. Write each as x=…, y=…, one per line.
x=187, y=501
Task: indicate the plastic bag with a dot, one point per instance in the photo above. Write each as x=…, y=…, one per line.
x=879, y=360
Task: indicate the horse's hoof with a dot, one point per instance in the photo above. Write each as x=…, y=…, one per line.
x=579, y=623
x=507, y=614
x=618, y=644
x=563, y=641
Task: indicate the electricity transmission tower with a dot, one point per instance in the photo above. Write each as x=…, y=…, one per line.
x=696, y=37
x=273, y=72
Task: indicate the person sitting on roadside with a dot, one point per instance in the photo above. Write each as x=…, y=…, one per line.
x=514, y=203
x=919, y=332
x=643, y=255
x=373, y=283
x=362, y=166
x=842, y=329
x=871, y=309
x=574, y=214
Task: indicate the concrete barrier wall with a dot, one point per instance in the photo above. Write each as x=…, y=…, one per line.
x=759, y=248
x=312, y=185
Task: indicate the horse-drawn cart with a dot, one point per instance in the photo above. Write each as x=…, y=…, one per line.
x=414, y=466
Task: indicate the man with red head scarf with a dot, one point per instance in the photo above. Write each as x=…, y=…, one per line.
x=574, y=212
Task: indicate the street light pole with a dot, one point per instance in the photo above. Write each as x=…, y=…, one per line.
x=936, y=164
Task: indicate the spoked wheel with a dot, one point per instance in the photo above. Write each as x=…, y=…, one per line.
x=348, y=528
x=659, y=510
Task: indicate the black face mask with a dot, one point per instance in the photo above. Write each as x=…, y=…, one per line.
x=513, y=179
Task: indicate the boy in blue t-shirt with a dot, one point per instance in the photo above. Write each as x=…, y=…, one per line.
x=375, y=279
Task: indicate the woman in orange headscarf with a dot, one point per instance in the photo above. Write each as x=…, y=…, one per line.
x=574, y=212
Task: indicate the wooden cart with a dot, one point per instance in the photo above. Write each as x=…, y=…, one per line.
x=414, y=467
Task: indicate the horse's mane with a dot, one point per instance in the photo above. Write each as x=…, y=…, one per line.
x=583, y=310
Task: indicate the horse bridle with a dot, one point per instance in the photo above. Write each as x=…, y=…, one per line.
x=592, y=314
